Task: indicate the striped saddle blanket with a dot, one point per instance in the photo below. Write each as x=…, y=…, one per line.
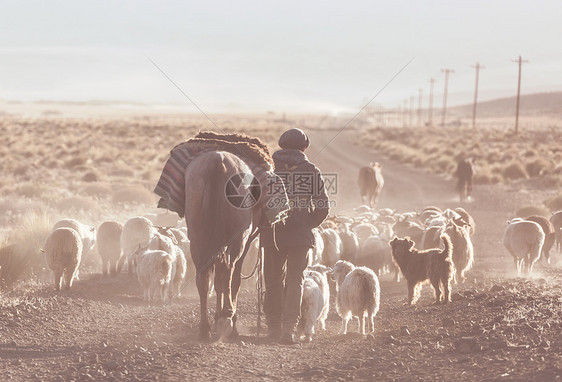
x=171, y=185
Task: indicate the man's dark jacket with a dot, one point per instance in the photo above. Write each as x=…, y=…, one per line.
x=307, y=197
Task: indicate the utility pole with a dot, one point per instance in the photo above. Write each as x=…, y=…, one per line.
x=431, y=81
x=420, y=91
x=447, y=72
x=411, y=111
x=477, y=67
x=519, y=61
x=404, y=111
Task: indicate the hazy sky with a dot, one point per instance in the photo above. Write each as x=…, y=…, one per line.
x=319, y=56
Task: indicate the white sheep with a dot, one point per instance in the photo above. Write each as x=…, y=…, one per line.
x=333, y=247
x=87, y=234
x=154, y=272
x=315, y=303
x=137, y=233
x=165, y=243
x=364, y=231
x=109, y=247
x=556, y=220
x=350, y=243
x=179, y=270
x=463, y=251
x=315, y=253
x=164, y=219
x=524, y=241
x=376, y=254
x=63, y=251
x=358, y=294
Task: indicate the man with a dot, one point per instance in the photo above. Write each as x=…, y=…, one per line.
x=465, y=172
x=286, y=246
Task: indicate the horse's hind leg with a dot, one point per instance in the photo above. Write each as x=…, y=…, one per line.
x=202, y=281
x=223, y=280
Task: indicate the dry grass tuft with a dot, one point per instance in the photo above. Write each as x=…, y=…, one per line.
x=20, y=255
x=97, y=189
x=134, y=194
x=537, y=167
x=90, y=176
x=514, y=171
x=554, y=203
x=76, y=204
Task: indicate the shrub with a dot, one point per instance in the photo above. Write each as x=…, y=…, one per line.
x=90, y=176
x=555, y=202
x=514, y=171
x=537, y=167
x=76, y=161
x=526, y=211
x=97, y=189
x=134, y=194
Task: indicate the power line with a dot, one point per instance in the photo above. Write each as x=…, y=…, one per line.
x=420, y=91
x=411, y=111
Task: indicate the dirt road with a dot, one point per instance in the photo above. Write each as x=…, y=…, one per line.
x=101, y=330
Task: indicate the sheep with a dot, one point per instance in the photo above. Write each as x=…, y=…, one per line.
x=429, y=212
x=165, y=243
x=164, y=219
x=109, y=247
x=405, y=228
x=87, y=235
x=524, y=241
x=179, y=271
x=556, y=220
x=549, y=232
x=463, y=252
x=333, y=247
x=137, y=233
x=154, y=272
x=467, y=218
x=315, y=253
x=63, y=252
x=431, y=237
x=364, y=231
x=358, y=294
x=350, y=243
x=375, y=253
x=450, y=214
x=315, y=303
x=385, y=229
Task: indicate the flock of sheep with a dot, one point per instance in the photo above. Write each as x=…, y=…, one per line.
x=155, y=254
x=353, y=250
x=356, y=250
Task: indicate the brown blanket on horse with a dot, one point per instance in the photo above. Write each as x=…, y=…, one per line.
x=171, y=185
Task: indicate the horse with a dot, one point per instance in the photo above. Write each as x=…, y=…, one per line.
x=465, y=171
x=370, y=182
x=219, y=228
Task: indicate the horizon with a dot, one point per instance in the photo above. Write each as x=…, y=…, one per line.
x=295, y=58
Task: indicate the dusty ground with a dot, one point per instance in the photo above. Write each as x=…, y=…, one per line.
x=101, y=330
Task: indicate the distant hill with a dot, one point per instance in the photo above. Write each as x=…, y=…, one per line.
x=535, y=104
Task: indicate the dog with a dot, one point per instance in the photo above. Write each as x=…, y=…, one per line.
x=435, y=265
